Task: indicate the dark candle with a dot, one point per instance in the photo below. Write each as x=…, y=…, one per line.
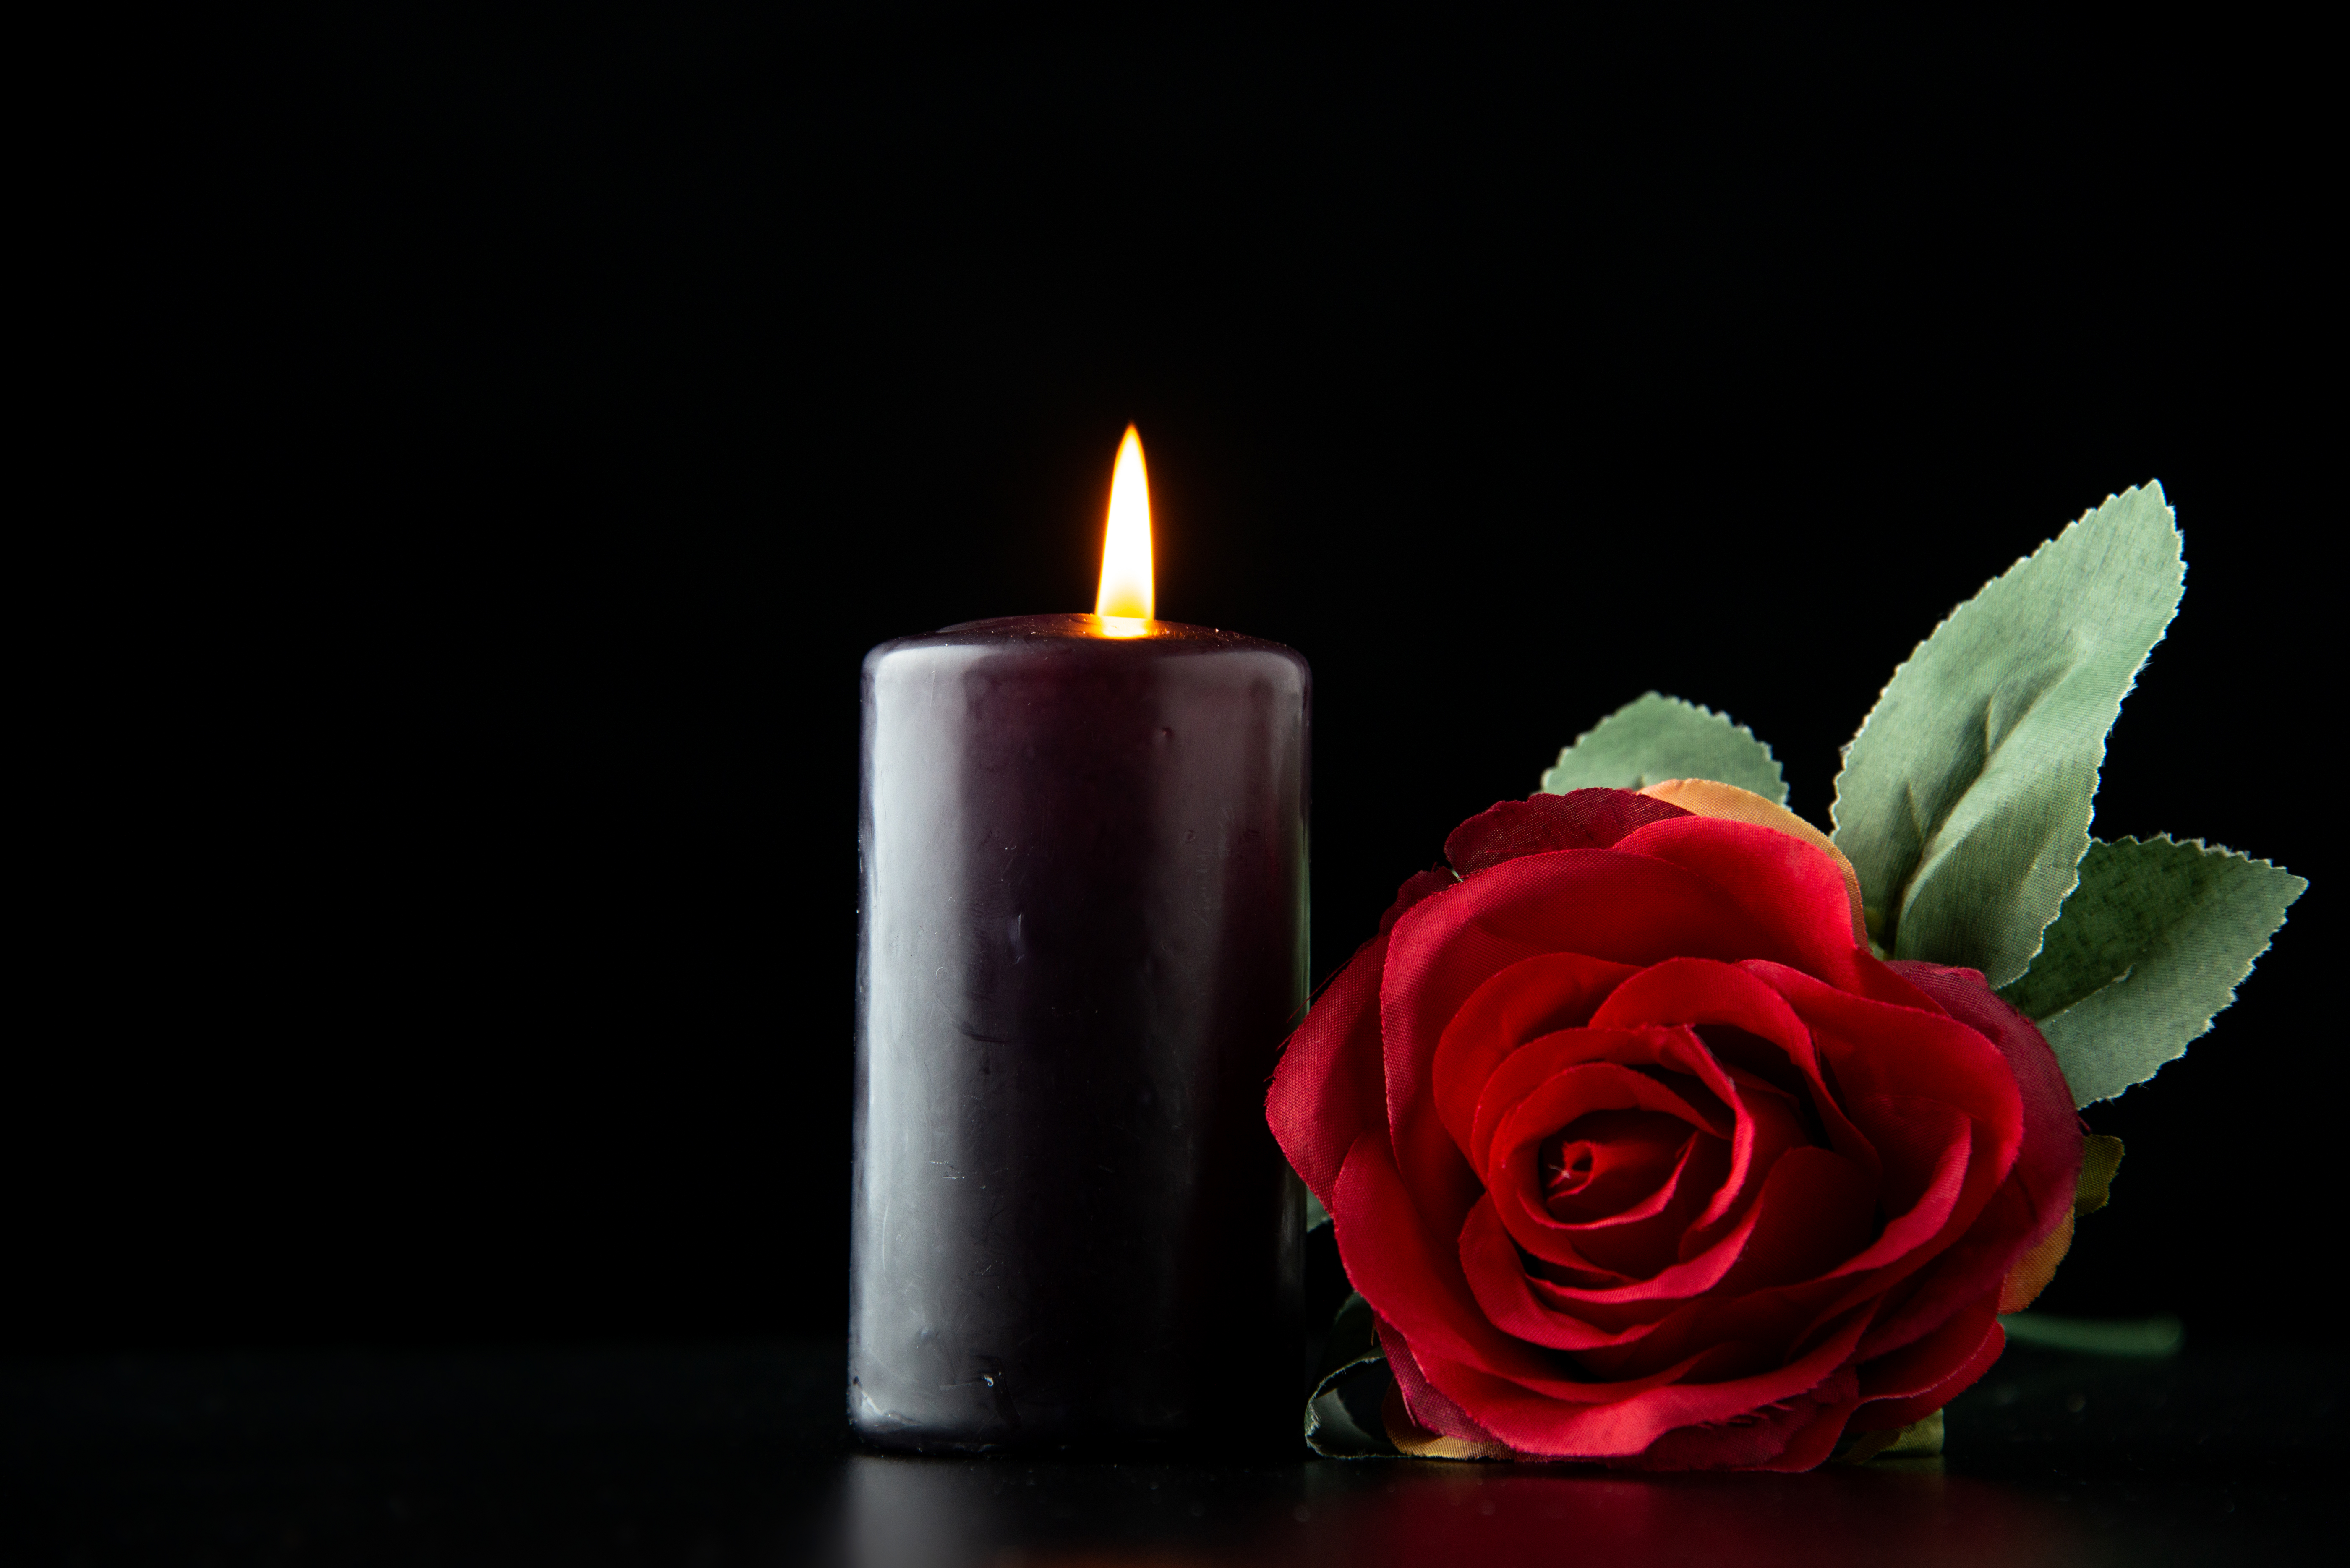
x=1083, y=939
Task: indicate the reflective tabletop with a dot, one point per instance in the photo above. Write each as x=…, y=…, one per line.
x=738, y=1453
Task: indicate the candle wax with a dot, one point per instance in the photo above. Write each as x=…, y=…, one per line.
x=1082, y=943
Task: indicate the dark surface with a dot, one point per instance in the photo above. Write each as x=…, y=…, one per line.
x=1083, y=943
x=739, y=1454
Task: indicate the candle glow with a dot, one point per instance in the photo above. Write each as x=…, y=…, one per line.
x=1124, y=602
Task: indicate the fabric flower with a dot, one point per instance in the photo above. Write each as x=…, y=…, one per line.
x=1639, y=1155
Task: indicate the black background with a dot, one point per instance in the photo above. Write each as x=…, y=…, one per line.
x=451, y=936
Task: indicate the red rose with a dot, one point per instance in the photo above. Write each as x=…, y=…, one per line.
x=1639, y=1155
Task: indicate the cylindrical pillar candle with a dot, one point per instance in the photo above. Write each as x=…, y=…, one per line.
x=1083, y=939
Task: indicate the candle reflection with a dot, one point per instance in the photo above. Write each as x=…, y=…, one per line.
x=933, y=1513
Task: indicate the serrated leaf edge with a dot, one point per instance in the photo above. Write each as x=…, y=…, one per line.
x=1769, y=755
x=1680, y=701
x=2097, y=771
x=2250, y=964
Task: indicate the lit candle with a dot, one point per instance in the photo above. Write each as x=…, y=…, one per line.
x=1082, y=941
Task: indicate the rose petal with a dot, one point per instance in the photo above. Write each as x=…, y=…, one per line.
x=1902, y=1073
x=1529, y=998
x=1512, y=1177
x=1408, y=1279
x=1329, y=1086
x=1941, y=1280
x=1962, y=1351
x=1816, y=1210
x=2048, y=1166
x=1539, y=1060
x=1767, y=1128
x=1450, y=1433
x=1579, y=819
x=1791, y=1435
x=1520, y=1417
x=1796, y=893
x=1809, y=1445
x=1701, y=991
x=1728, y=803
x=1880, y=1050
x=1928, y=1363
x=1619, y=1167
x=1625, y=908
x=1419, y=886
x=1691, y=1277
x=1489, y=1258
x=1423, y=1293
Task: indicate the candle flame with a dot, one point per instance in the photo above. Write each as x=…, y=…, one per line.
x=1125, y=601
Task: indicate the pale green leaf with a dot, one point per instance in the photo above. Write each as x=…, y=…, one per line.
x=1652, y=738
x=2151, y=1338
x=1965, y=799
x=2150, y=949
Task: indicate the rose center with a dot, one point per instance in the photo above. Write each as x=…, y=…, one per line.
x=1607, y=1161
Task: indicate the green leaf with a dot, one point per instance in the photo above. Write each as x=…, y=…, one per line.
x=1652, y=738
x=2152, y=1338
x=1342, y=1414
x=1964, y=802
x=2150, y=949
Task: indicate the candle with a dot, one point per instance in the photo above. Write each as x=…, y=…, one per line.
x=1082, y=941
